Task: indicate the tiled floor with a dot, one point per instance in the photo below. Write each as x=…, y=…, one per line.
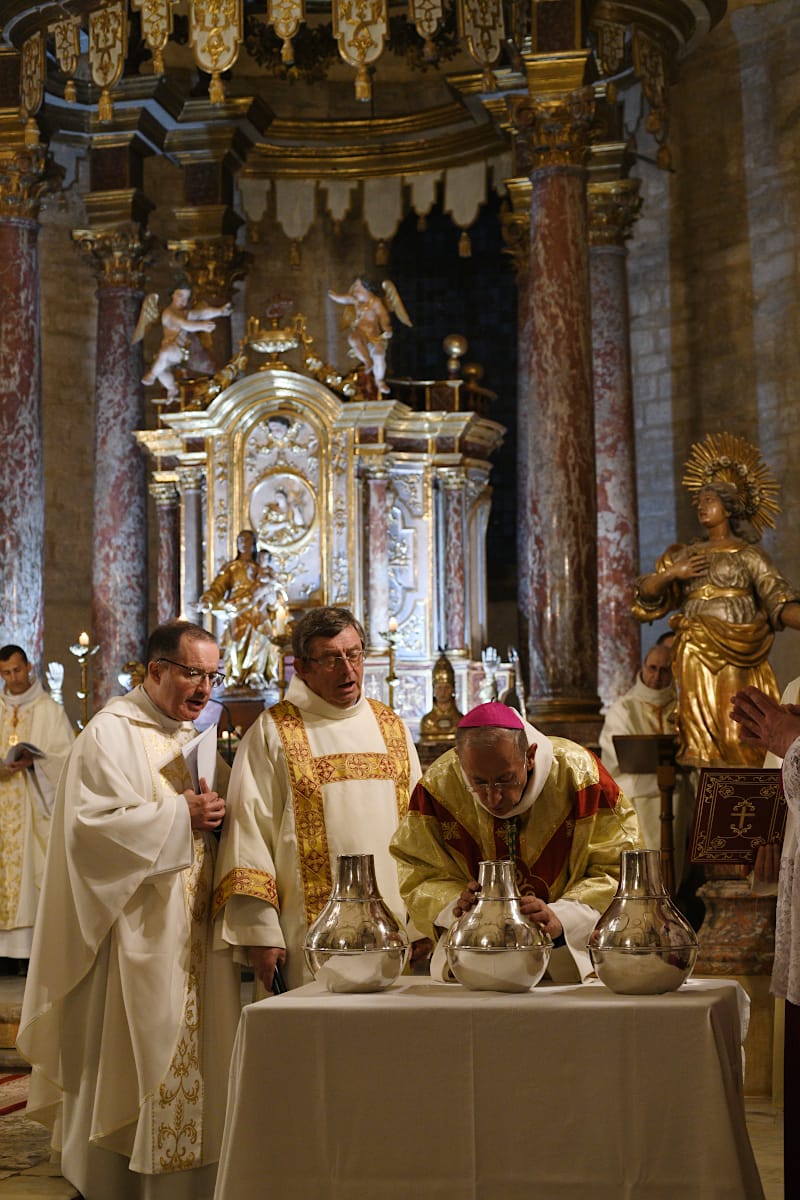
x=27, y=1174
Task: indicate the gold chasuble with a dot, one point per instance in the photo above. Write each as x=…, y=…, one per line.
x=310, y=781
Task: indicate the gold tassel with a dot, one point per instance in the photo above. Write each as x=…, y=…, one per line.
x=464, y=245
x=363, y=84
x=664, y=158
x=287, y=52
x=422, y=223
x=31, y=132
x=216, y=89
x=105, y=108
x=70, y=91
x=158, y=62
x=294, y=255
x=381, y=254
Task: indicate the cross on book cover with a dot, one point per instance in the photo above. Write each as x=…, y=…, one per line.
x=737, y=810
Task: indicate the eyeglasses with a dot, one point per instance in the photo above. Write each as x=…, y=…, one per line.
x=496, y=785
x=195, y=674
x=329, y=662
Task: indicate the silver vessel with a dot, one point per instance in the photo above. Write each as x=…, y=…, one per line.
x=493, y=947
x=355, y=944
x=642, y=944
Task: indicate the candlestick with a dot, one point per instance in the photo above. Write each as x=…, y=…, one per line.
x=281, y=640
x=83, y=651
x=390, y=637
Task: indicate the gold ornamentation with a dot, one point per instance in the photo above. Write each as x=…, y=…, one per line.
x=108, y=42
x=66, y=37
x=649, y=64
x=156, y=28
x=215, y=35
x=614, y=206
x=427, y=16
x=308, y=774
x=724, y=458
x=554, y=128
x=482, y=25
x=360, y=28
x=285, y=17
x=212, y=266
x=32, y=80
x=118, y=254
x=244, y=881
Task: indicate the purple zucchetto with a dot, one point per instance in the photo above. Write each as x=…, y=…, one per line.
x=494, y=715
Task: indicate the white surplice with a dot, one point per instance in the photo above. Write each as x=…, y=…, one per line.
x=260, y=889
x=129, y=1015
x=26, y=800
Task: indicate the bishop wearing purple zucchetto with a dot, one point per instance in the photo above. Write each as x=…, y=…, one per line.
x=509, y=791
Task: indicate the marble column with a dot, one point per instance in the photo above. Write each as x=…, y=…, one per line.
x=168, y=599
x=119, y=537
x=557, y=498
x=191, y=481
x=613, y=207
x=454, y=584
x=21, y=452
x=376, y=550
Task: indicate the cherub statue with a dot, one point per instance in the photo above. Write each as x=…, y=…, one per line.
x=178, y=320
x=370, y=324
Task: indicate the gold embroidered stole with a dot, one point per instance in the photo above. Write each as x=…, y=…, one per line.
x=176, y=1115
x=308, y=775
x=15, y=726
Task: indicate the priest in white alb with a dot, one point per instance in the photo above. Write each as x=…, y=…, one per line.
x=325, y=772
x=129, y=1014
x=28, y=717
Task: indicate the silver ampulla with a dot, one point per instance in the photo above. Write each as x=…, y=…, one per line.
x=493, y=947
x=355, y=944
x=642, y=944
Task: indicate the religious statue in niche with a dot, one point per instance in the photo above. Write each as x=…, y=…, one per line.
x=178, y=321
x=247, y=593
x=729, y=596
x=439, y=725
x=370, y=325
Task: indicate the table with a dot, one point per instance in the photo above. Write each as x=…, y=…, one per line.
x=432, y=1091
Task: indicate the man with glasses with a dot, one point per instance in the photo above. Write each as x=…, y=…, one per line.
x=129, y=1014
x=323, y=773
x=508, y=791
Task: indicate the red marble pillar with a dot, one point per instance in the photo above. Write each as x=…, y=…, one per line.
x=119, y=539
x=376, y=549
x=168, y=600
x=613, y=207
x=21, y=465
x=557, y=500
x=454, y=584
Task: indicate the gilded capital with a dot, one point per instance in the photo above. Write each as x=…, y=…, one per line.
x=24, y=179
x=165, y=493
x=515, y=225
x=117, y=254
x=614, y=206
x=553, y=129
x=212, y=266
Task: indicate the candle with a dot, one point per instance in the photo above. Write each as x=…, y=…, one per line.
x=83, y=640
x=393, y=625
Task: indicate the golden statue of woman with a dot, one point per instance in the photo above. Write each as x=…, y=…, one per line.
x=245, y=592
x=729, y=596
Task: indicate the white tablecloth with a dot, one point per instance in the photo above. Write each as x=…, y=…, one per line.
x=432, y=1091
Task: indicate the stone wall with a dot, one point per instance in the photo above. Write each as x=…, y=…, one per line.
x=713, y=267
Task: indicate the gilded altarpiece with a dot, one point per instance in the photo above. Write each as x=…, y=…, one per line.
x=366, y=504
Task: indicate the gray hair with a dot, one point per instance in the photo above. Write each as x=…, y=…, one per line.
x=322, y=622
x=486, y=737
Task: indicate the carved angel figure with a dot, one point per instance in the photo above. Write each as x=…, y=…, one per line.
x=178, y=320
x=371, y=324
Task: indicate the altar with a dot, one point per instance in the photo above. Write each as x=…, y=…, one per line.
x=434, y=1092
x=370, y=504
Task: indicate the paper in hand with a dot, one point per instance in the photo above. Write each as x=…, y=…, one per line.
x=200, y=756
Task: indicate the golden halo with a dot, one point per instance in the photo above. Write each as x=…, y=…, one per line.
x=723, y=458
